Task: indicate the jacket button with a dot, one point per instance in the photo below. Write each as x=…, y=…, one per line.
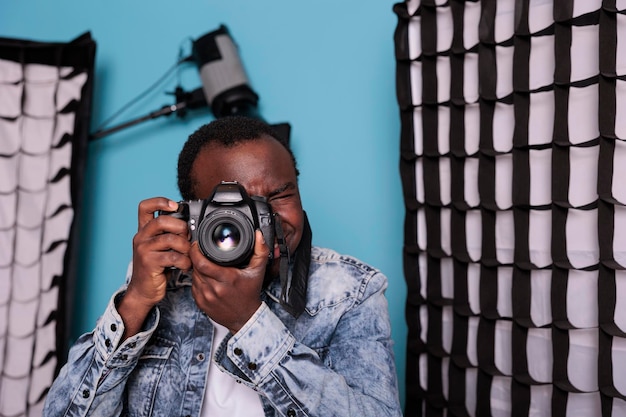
x=107, y=343
x=291, y=412
x=200, y=357
x=114, y=327
x=252, y=366
x=85, y=393
x=238, y=351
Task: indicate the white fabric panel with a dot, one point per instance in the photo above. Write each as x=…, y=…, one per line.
x=470, y=76
x=7, y=211
x=619, y=235
x=9, y=132
x=418, y=142
x=583, y=180
x=447, y=328
x=503, y=127
x=11, y=98
x=26, y=289
x=8, y=170
x=471, y=18
x=540, y=237
x=505, y=237
x=444, y=28
x=581, y=236
x=582, y=359
x=443, y=130
x=505, y=20
x=584, y=404
x=415, y=38
x=619, y=173
x=540, y=299
x=582, y=298
x=540, y=401
x=501, y=396
x=505, y=291
x=473, y=287
x=540, y=362
x=470, y=186
x=503, y=346
x=504, y=181
x=473, y=233
x=540, y=172
x=447, y=278
x=582, y=116
x=472, y=127
x=540, y=15
x=423, y=268
x=620, y=300
x=618, y=363
x=541, y=118
x=421, y=229
x=443, y=79
x=620, y=58
x=541, y=61
x=472, y=340
x=445, y=180
x=416, y=83
x=471, y=384
x=584, y=65
x=446, y=231
x=504, y=70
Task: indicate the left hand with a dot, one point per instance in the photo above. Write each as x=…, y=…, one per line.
x=229, y=295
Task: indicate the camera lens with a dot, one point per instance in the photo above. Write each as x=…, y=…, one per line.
x=226, y=237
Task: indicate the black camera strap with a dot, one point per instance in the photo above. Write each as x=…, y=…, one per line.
x=294, y=283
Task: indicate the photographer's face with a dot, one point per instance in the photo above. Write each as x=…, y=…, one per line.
x=264, y=168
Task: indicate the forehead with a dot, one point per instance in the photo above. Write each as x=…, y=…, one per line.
x=260, y=165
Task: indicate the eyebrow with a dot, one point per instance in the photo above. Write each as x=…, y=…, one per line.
x=284, y=187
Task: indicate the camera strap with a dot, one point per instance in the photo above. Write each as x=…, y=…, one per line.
x=294, y=281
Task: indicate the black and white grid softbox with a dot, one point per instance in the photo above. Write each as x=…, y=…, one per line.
x=45, y=105
x=513, y=166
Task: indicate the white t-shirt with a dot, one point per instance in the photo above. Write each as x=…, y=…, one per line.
x=223, y=395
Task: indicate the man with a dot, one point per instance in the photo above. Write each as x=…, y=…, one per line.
x=304, y=334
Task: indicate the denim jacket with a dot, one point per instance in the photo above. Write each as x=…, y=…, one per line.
x=335, y=359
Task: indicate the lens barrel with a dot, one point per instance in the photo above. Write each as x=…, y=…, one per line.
x=226, y=237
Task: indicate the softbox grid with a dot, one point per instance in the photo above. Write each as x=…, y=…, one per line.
x=513, y=154
x=45, y=105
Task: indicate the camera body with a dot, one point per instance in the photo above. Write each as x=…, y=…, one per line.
x=224, y=223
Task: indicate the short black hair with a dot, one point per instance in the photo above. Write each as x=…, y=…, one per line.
x=226, y=132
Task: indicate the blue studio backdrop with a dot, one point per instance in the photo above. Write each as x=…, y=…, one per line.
x=327, y=68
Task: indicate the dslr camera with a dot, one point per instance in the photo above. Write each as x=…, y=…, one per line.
x=224, y=223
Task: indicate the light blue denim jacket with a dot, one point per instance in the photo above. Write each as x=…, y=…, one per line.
x=336, y=359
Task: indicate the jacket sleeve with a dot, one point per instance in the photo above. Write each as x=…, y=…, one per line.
x=93, y=379
x=356, y=378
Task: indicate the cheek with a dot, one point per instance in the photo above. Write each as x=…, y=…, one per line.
x=292, y=223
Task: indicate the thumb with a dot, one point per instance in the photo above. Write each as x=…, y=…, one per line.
x=261, y=251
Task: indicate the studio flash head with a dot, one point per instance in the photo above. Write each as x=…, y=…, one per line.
x=224, y=79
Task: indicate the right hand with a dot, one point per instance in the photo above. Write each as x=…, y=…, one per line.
x=160, y=243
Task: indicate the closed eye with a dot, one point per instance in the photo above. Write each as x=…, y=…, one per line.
x=285, y=191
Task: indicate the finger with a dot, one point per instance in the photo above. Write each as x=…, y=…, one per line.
x=200, y=262
x=148, y=207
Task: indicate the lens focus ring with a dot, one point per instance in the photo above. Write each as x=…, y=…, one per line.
x=226, y=237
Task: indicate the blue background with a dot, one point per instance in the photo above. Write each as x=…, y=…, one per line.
x=326, y=67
